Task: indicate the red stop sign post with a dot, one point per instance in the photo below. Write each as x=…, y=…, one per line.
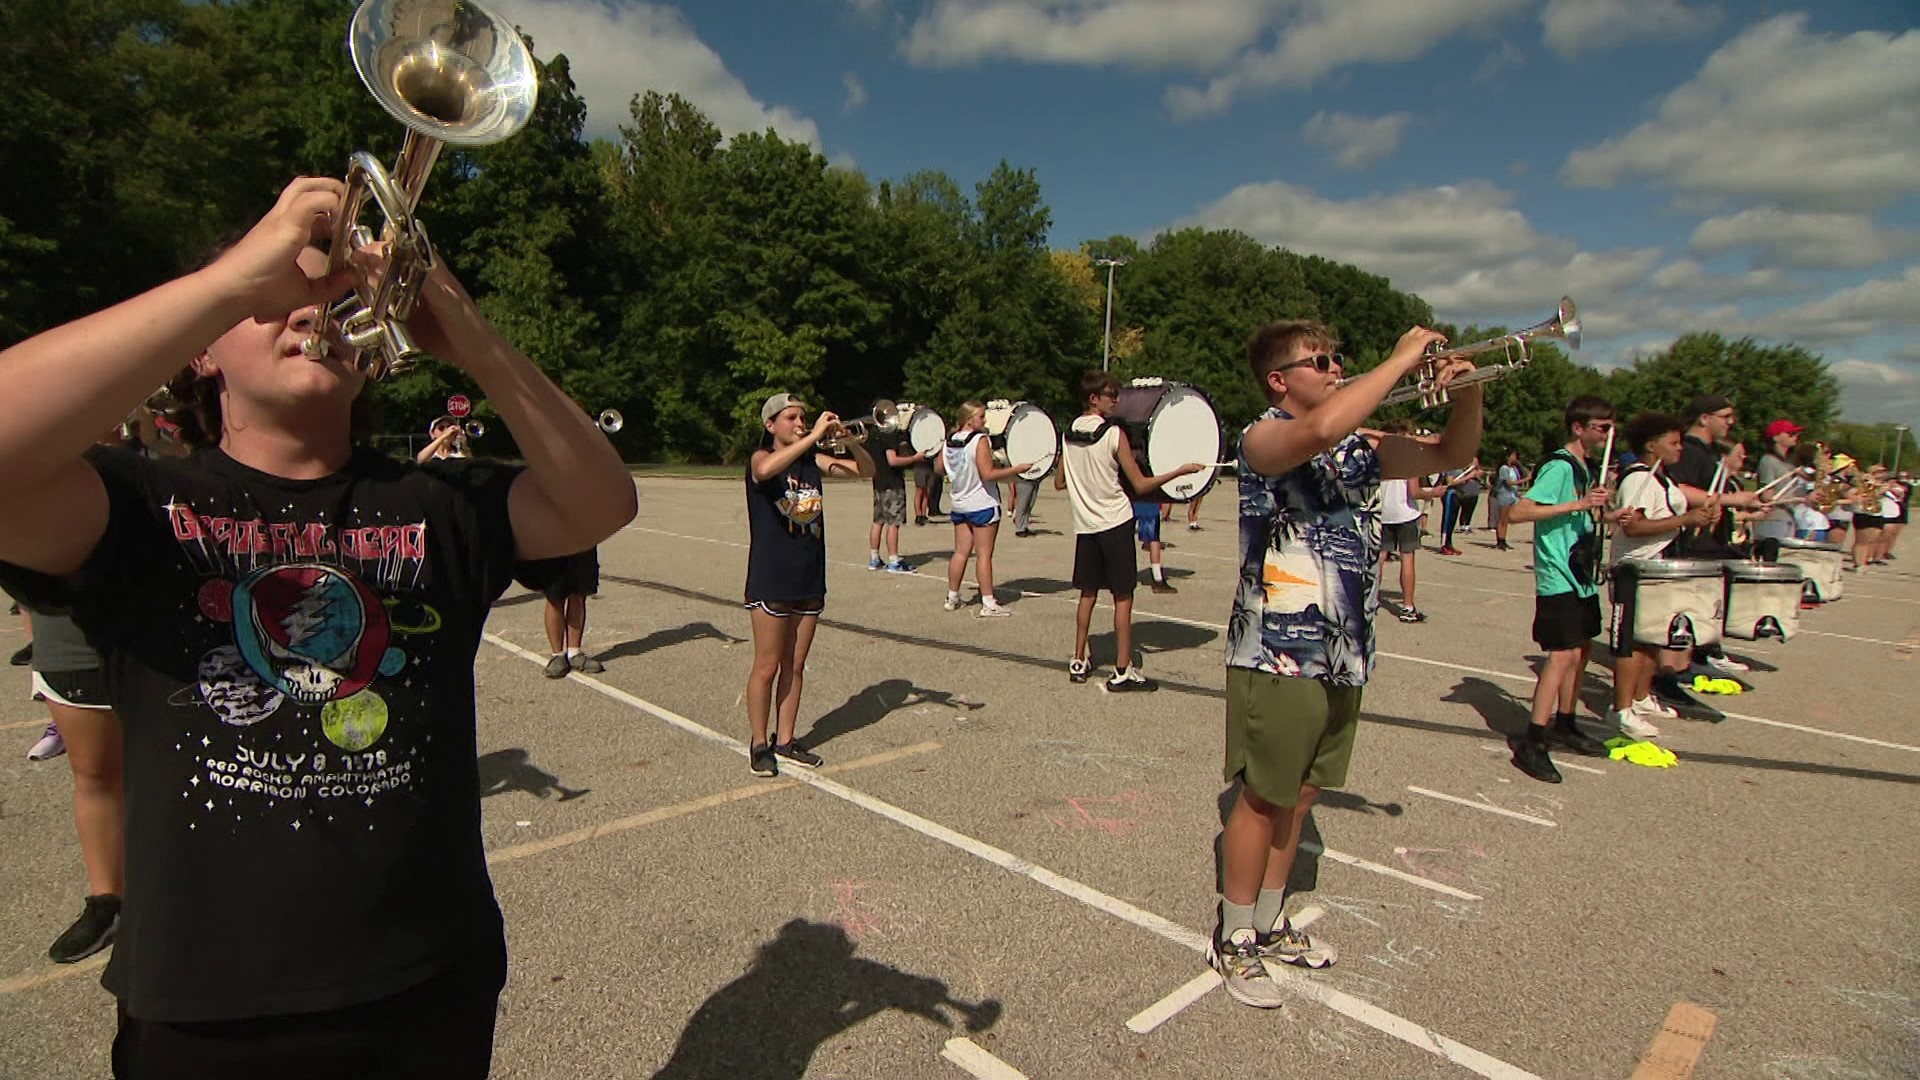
x=459, y=406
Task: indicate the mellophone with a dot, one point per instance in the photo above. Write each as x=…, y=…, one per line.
x=1683, y=603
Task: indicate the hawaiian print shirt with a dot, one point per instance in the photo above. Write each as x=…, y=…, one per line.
x=1309, y=566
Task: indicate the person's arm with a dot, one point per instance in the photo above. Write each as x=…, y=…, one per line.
x=989, y=473
x=900, y=461
x=1060, y=477
x=1142, y=484
x=432, y=449
x=1277, y=446
x=1411, y=459
x=768, y=464
x=861, y=465
x=84, y=377
x=1530, y=509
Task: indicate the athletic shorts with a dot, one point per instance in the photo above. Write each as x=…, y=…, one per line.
x=890, y=506
x=79, y=689
x=789, y=609
x=979, y=519
x=1284, y=731
x=1146, y=522
x=1106, y=560
x=1863, y=522
x=557, y=579
x=1565, y=620
x=1403, y=537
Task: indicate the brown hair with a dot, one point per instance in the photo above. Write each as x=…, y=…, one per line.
x=1273, y=344
x=1097, y=382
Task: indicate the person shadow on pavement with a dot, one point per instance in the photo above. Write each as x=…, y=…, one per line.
x=513, y=770
x=805, y=987
x=867, y=707
x=661, y=639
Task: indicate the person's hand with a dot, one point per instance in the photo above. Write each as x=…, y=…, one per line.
x=1023, y=467
x=1453, y=369
x=1190, y=468
x=826, y=424
x=1697, y=518
x=1414, y=344
x=262, y=271
x=1623, y=515
x=1597, y=498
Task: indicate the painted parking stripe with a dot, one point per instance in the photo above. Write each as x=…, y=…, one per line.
x=1365, y=1012
x=970, y=1056
x=1200, y=985
x=1387, y=871
x=1457, y=800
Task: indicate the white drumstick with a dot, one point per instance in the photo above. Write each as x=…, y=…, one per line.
x=1606, y=459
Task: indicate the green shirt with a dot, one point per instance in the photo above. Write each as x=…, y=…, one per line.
x=1553, y=538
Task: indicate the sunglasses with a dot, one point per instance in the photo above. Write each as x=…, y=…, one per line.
x=1324, y=363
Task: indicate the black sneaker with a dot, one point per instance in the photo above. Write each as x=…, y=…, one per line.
x=797, y=752
x=1078, y=670
x=1564, y=732
x=761, y=762
x=1162, y=587
x=1408, y=614
x=1129, y=681
x=90, y=933
x=24, y=656
x=1531, y=758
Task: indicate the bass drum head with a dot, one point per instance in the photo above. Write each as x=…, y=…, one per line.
x=926, y=431
x=1031, y=436
x=1184, y=428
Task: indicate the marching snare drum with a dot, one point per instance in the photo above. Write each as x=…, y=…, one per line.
x=1821, y=578
x=1032, y=436
x=1171, y=424
x=925, y=430
x=1763, y=600
x=1669, y=603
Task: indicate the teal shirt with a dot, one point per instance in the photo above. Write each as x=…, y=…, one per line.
x=1553, y=539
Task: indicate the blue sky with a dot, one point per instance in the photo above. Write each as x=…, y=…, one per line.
x=1748, y=167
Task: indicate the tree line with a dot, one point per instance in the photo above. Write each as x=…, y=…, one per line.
x=680, y=276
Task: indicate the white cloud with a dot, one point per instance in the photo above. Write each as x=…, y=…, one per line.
x=1874, y=391
x=1689, y=279
x=1356, y=141
x=1817, y=239
x=1579, y=27
x=1877, y=306
x=617, y=52
x=1778, y=113
x=1873, y=373
x=1150, y=34
x=1328, y=34
x=856, y=92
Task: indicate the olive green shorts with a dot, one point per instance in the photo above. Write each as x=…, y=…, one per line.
x=1283, y=732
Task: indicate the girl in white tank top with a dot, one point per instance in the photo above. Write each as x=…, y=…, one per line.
x=968, y=463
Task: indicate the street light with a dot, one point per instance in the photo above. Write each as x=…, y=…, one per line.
x=1900, y=436
x=1106, y=343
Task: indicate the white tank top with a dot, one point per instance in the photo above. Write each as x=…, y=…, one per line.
x=966, y=493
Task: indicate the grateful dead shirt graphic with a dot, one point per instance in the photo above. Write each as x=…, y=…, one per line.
x=800, y=506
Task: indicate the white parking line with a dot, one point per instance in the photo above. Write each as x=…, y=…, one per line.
x=1515, y=814
x=1373, y=1016
x=1200, y=985
x=1142, y=613
x=1574, y=765
x=1387, y=871
x=968, y=1055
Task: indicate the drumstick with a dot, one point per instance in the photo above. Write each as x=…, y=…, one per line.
x=1606, y=458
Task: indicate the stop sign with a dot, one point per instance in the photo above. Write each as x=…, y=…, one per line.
x=458, y=405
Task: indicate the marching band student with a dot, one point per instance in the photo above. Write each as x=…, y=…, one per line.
x=290, y=625
x=1300, y=642
x=1710, y=418
x=1657, y=508
x=1507, y=481
x=890, y=454
x=566, y=583
x=927, y=486
x=1094, y=458
x=1566, y=605
x=1400, y=526
x=1147, y=516
x=1783, y=436
x=787, y=569
x=449, y=441
x=975, y=500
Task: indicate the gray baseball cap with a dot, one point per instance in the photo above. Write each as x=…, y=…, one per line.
x=777, y=403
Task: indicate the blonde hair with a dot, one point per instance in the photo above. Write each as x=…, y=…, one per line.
x=969, y=410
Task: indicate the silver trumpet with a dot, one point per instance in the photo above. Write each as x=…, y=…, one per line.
x=611, y=421
x=452, y=72
x=1426, y=388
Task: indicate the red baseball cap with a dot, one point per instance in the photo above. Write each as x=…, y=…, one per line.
x=1783, y=427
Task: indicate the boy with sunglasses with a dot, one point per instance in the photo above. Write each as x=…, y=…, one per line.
x=1300, y=642
x=1094, y=458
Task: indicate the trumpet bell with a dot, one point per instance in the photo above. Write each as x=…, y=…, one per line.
x=475, y=429
x=611, y=421
x=449, y=69
x=886, y=414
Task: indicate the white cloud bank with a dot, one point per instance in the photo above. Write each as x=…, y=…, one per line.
x=1356, y=142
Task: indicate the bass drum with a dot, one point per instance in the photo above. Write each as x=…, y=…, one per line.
x=1820, y=563
x=1171, y=424
x=925, y=430
x=1032, y=436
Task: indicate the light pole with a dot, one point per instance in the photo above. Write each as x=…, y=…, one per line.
x=1106, y=342
x=1899, y=436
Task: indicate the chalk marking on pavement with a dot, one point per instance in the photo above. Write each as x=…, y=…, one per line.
x=969, y=1056
x=60, y=974
x=1140, y=613
x=1200, y=985
x=1576, y=766
x=1515, y=814
x=667, y=813
x=1677, y=1047
x=1388, y=871
x=1399, y=1027
x=1845, y=637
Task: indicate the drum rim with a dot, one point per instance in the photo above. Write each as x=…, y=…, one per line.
x=1747, y=570
x=1809, y=545
x=1673, y=569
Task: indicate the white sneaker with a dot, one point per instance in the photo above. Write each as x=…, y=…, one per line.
x=1727, y=664
x=952, y=604
x=990, y=609
x=49, y=745
x=1653, y=706
x=1634, y=726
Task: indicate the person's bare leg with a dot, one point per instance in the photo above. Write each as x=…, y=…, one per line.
x=1407, y=579
x=772, y=643
x=1286, y=840
x=1561, y=667
x=1627, y=678
x=957, y=565
x=793, y=674
x=893, y=543
x=576, y=621
x=99, y=801
x=556, y=620
x=1083, y=625
x=983, y=538
x=1570, y=689
x=1246, y=847
x=1122, y=632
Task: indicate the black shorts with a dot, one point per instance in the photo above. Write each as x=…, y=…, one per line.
x=79, y=689
x=1106, y=560
x=557, y=579
x=1565, y=620
x=1863, y=522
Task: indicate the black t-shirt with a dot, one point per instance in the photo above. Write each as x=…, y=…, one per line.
x=1698, y=462
x=292, y=664
x=787, y=534
x=886, y=476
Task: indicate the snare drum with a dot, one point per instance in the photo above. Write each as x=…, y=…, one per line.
x=925, y=430
x=1821, y=578
x=1667, y=603
x=1171, y=424
x=1763, y=600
